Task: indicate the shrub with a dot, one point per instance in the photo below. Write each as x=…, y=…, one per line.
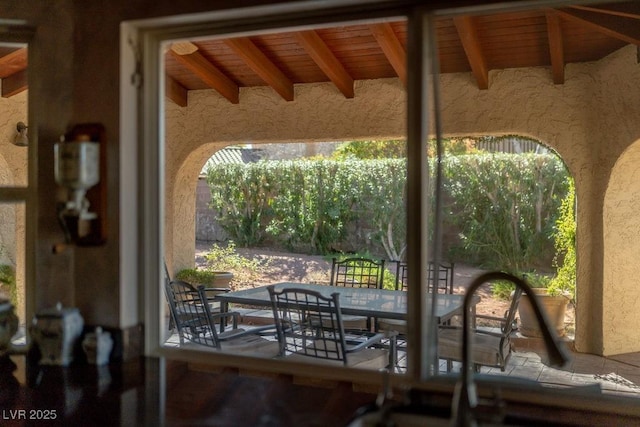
x=565, y=243
x=196, y=276
x=225, y=258
x=505, y=207
x=8, y=278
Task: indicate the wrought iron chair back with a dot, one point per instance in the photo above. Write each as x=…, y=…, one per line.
x=357, y=272
x=444, y=279
x=309, y=324
x=191, y=313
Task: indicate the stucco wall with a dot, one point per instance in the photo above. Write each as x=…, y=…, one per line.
x=14, y=110
x=589, y=120
x=622, y=249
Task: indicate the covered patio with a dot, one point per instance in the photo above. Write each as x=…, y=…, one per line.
x=566, y=77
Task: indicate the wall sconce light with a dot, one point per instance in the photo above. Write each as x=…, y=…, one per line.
x=21, y=139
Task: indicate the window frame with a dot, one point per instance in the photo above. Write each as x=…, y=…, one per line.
x=422, y=121
x=17, y=32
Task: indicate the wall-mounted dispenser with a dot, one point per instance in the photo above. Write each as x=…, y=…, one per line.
x=77, y=167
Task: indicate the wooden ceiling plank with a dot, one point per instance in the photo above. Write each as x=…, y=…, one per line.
x=392, y=48
x=14, y=84
x=176, y=92
x=622, y=28
x=262, y=66
x=556, y=47
x=327, y=61
x=209, y=74
x=471, y=44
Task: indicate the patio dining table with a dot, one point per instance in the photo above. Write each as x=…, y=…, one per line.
x=377, y=303
x=369, y=302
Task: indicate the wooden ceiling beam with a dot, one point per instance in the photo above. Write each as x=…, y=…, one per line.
x=14, y=84
x=470, y=42
x=392, y=48
x=207, y=72
x=327, y=61
x=556, y=47
x=176, y=92
x=13, y=62
x=623, y=28
x=262, y=66
x=629, y=9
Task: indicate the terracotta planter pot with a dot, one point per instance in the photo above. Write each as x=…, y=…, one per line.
x=555, y=307
x=222, y=279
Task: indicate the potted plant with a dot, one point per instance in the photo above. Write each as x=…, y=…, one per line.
x=205, y=277
x=550, y=298
x=556, y=292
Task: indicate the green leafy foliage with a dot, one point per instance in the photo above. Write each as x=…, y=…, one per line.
x=196, y=276
x=505, y=206
x=371, y=150
x=226, y=258
x=388, y=278
x=8, y=279
x=307, y=205
x=312, y=204
x=241, y=195
x=502, y=289
x=565, y=244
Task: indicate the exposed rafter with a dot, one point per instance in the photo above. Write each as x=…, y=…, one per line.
x=348, y=52
x=13, y=62
x=630, y=9
x=392, y=48
x=621, y=27
x=471, y=44
x=327, y=61
x=262, y=66
x=206, y=71
x=14, y=84
x=176, y=92
x=556, y=47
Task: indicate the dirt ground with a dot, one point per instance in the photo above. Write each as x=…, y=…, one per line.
x=283, y=267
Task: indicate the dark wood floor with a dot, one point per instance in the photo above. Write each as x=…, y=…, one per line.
x=130, y=394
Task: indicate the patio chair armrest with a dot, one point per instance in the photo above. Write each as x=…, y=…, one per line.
x=474, y=330
x=492, y=318
x=486, y=316
x=221, y=290
x=225, y=314
x=374, y=339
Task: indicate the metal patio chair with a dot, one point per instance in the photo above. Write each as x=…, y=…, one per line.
x=444, y=285
x=491, y=345
x=310, y=328
x=196, y=323
x=361, y=273
x=444, y=279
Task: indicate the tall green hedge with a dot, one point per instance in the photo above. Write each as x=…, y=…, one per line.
x=504, y=206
